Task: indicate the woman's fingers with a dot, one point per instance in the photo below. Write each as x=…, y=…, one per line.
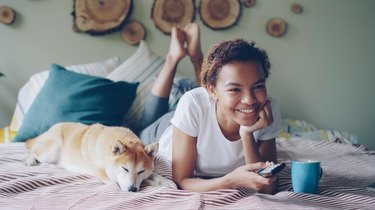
x=268, y=110
x=265, y=115
x=256, y=166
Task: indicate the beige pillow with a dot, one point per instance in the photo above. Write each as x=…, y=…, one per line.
x=143, y=67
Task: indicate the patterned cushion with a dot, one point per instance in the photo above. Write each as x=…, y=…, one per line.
x=6, y=135
x=30, y=90
x=143, y=67
x=292, y=128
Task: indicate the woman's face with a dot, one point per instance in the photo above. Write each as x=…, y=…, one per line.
x=240, y=93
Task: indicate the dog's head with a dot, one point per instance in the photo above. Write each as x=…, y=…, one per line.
x=130, y=162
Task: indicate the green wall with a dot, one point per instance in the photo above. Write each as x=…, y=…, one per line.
x=321, y=69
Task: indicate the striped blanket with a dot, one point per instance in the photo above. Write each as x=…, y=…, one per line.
x=347, y=172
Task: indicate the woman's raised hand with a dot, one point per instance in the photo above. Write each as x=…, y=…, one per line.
x=265, y=119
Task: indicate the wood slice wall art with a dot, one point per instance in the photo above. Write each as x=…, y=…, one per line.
x=133, y=32
x=7, y=15
x=276, y=27
x=99, y=17
x=220, y=14
x=249, y=3
x=297, y=8
x=167, y=13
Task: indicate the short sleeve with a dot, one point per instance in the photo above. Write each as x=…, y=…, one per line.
x=188, y=114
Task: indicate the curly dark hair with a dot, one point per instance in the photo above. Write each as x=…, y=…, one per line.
x=228, y=51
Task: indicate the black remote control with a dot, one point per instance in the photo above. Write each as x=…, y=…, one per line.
x=271, y=170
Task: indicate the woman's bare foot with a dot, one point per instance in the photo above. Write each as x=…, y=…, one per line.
x=192, y=34
x=177, y=50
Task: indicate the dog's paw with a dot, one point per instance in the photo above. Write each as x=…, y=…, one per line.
x=149, y=182
x=157, y=180
x=168, y=183
x=31, y=161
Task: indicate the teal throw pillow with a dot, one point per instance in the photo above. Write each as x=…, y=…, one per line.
x=72, y=97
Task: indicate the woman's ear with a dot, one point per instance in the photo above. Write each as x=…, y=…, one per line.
x=212, y=90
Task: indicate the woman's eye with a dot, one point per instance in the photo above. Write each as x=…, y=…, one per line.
x=235, y=90
x=125, y=169
x=257, y=87
x=141, y=172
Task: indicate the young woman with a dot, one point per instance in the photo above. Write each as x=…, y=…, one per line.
x=224, y=131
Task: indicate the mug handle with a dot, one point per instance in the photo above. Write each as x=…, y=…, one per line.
x=321, y=172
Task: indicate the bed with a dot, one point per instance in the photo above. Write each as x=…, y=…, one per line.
x=347, y=172
x=347, y=165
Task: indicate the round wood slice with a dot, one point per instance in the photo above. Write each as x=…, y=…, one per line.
x=220, y=14
x=167, y=13
x=297, y=8
x=133, y=32
x=276, y=27
x=7, y=15
x=249, y=3
x=98, y=17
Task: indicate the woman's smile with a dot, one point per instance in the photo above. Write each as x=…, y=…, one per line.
x=247, y=111
x=247, y=116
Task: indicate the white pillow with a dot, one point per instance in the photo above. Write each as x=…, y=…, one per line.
x=143, y=66
x=30, y=90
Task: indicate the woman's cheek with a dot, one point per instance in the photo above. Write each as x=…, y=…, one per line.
x=262, y=97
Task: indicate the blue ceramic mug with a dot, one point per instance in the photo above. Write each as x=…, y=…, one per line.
x=306, y=175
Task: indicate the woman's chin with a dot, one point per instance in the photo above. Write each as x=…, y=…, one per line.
x=248, y=122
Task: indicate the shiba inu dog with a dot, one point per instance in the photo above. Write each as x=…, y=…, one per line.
x=110, y=153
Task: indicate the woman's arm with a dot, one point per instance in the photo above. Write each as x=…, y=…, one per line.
x=267, y=150
x=184, y=158
x=250, y=148
x=262, y=150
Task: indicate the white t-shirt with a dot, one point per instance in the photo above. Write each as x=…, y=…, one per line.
x=216, y=155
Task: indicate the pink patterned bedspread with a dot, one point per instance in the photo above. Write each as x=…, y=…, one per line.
x=347, y=172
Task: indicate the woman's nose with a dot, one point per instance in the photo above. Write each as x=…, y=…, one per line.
x=248, y=99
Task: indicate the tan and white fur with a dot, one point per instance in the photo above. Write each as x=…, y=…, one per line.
x=110, y=153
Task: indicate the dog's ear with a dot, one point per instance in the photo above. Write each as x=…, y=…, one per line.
x=152, y=149
x=118, y=148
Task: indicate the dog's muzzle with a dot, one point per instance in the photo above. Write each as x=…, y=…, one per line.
x=133, y=188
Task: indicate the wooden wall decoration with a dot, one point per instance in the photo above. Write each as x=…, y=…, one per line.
x=220, y=14
x=133, y=32
x=167, y=13
x=249, y=3
x=297, y=8
x=99, y=17
x=276, y=27
x=7, y=15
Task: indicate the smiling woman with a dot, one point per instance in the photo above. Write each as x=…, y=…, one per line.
x=224, y=130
